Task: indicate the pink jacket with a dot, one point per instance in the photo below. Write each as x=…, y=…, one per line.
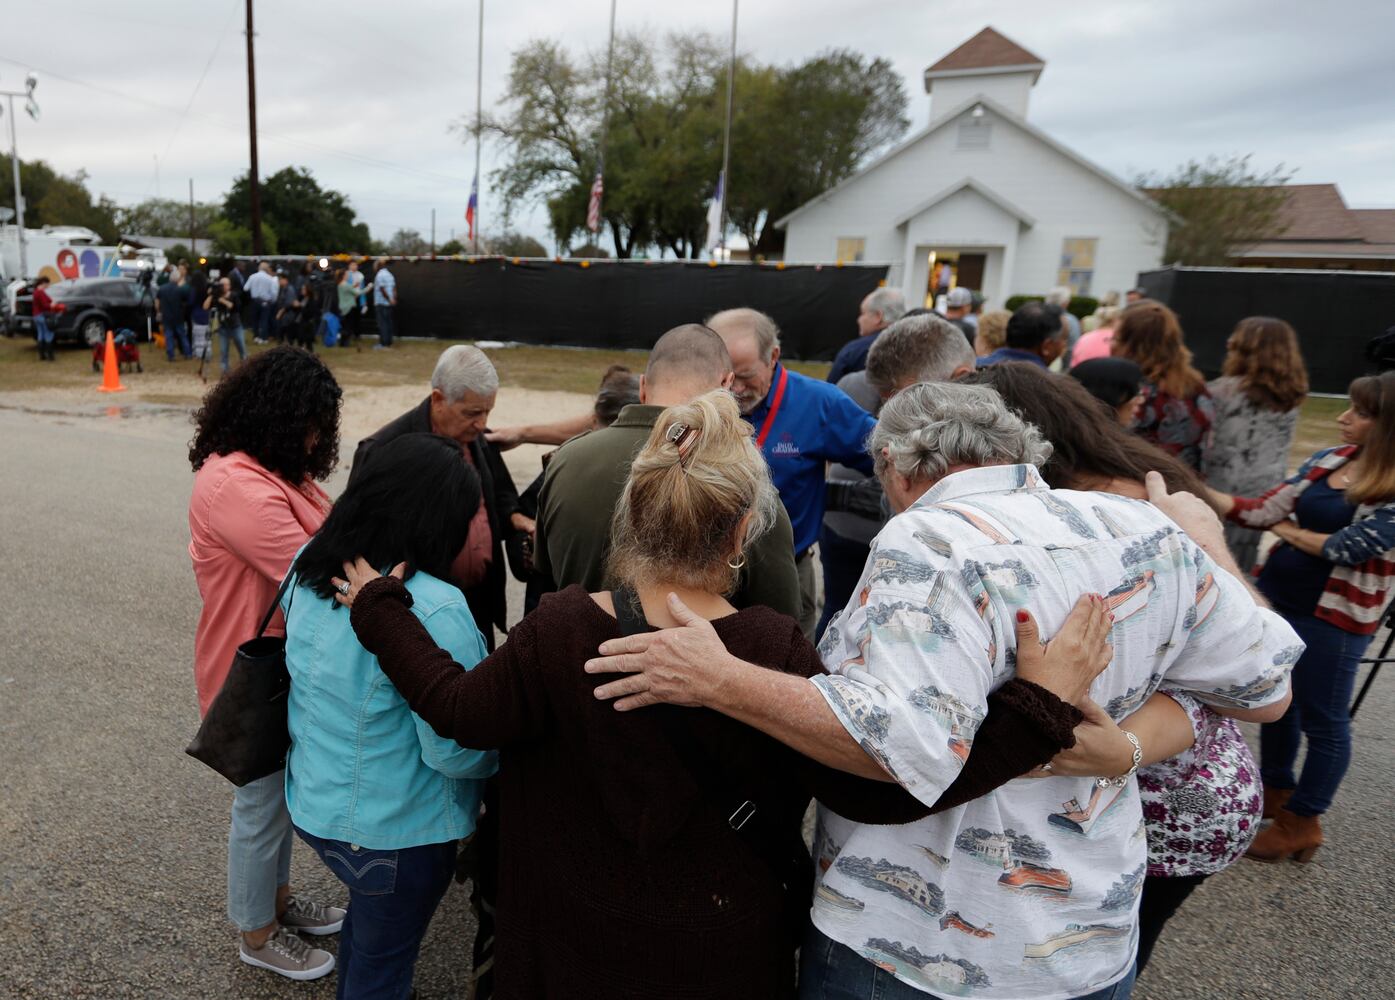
x=245, y=526
x=1095, y=344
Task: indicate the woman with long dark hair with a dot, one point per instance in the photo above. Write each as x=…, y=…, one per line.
x=266, y=435
x=1257, y=398
x=1330, y=577
x=1201, y=808
x=375, y=793
x=1176, y=413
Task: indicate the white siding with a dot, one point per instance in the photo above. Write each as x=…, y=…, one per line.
x=1011, y=90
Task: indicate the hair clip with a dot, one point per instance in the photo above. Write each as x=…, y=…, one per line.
x=681, y=436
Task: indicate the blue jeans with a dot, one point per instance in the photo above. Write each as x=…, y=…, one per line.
x=259, y=851
x=42, y=330
x=266, y=319
x=1322, y=680
x=384, y=314
x=175, y=333
x=232, y=334
x=392, y=897
x=832, y=971
x=843, y=561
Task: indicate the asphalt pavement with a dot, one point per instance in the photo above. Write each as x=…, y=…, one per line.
x=112, y=840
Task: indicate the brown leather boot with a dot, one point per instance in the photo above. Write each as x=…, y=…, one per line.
x=1290, y=835
x=1274, y=800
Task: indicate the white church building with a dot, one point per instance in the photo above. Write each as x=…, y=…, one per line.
x=1010, y=210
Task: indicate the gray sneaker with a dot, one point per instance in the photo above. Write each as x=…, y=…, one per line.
x=287, y=955
x=307, y=917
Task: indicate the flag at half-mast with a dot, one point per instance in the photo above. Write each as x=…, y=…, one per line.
x=593, y=210
x=472, y=207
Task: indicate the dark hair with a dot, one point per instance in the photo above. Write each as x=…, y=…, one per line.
x=1033, y=325
x=411, y=500
x=1086, y=439
x=1373, y=396
x=270, y=407
x=42, y=279
x=1113, y=381
x=619, y=388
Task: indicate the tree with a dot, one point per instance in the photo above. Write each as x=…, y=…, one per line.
x=588, y=250
x=307, y=218
x=237, y=240
x=407, y=243
x=450, y=248
x=177, y=252
x=1224, y=207
x=168, y=217
x=54, y=199
x=512, y=244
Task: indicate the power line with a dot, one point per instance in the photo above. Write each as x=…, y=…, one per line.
x=232, y=10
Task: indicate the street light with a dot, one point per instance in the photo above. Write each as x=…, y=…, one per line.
x=31, y=80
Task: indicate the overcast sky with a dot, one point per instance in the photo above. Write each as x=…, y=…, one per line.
x=364, y=94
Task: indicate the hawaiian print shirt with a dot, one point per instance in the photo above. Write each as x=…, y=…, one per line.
x=1178, y=425
x=1202, y=807
x=1030, y=891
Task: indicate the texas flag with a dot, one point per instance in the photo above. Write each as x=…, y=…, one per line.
x=473, y=206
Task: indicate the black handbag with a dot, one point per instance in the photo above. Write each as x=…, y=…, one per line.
x=244, y=736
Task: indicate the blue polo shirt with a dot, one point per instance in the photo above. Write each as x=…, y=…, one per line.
x=852, y=357
x=816, y=423
x=1010, y=354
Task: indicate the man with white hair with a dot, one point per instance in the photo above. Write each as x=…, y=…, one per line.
x=879, y=310
x=801, y=424
x=1032, y=889
x=1060, y=296
x=463, y=390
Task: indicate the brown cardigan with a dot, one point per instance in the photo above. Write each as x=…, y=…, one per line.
x=619, y=876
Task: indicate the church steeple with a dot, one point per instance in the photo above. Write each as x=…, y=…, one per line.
x=989, y=64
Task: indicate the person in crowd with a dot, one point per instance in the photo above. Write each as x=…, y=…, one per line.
x=1060, y=297
x=162, y=278
x=41, y=309
x=1331, y=577
x=225, y=318
x=944, y=275
x=265, y=436
x=384, y=303
x=307, y=328
x=879, y=310
x=464, y=388
x=957, y=305
x=346, y=300
x=1035, y=333
x=801, y=424
x=586, y=478
x=1201, y=808
x=1096, y=319
x=370, y=788
x=921, y=348
x=667, y=894
x=1177, y=412
x=198, y=313
x=902, y=911
x=1115, y=382
x=171, y=297
x=1097, y=342
x=1257, y=399
x=262, y=289
x=991, y=333
x=1134, y=295
x=286, y=309
x=975, y=313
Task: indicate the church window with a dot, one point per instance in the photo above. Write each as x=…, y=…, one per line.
x=1077, y=264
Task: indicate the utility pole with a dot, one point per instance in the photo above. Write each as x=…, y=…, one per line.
x=479, y=111
x=433, y=234
x=726, y=136
x=31, y=107
x=254, y=186
x=193, y=233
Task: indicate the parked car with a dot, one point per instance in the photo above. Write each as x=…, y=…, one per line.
x=89, y=307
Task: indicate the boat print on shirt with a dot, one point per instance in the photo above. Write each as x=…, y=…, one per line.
x=1074, y=936
x=904, y=883
x=830, y=896
x=1025, y=861
x=960, y=719
x=1131, y=596
x=1121, y=894
x=893, y=566
x=869, y=721
x=953, y=921
x=980, y=521
x=937, y=973
x=1082, y=819
x=1068, y=515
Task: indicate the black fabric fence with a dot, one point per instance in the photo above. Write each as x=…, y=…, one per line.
x=1335, y=313
x=614, y=304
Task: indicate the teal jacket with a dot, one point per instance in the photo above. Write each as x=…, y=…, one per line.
x=363, y=767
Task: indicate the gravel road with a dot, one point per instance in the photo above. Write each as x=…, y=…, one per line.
x=112, y=841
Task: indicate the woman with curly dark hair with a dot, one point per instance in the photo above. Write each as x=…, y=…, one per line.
x=265, y=434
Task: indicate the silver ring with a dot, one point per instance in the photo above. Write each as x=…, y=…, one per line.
x=1046, y=766
x=344, y=589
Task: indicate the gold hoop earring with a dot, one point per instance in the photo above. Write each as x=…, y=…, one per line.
x=740, y=563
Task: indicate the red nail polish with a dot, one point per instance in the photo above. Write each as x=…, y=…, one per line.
x=1022, y=616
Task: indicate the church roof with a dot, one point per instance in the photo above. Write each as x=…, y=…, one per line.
x=986, y=50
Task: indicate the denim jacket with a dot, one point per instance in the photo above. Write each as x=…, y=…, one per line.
x=363, y=767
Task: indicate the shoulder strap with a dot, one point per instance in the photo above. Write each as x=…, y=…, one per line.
x=629, y=613
x=275, y=602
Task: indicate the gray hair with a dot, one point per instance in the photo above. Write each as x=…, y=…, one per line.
x=1059, y=296
x=752, y=321
x=464, y=368
x=919, y=348
x=930, y=427
x=889, y=302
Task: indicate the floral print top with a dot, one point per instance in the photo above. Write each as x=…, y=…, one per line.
x=1180, y=426
x=1201, y=808
x=1250, y=443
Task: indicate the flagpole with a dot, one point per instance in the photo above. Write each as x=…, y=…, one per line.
x=479, y=108
x=726, y=136
x=605, y=112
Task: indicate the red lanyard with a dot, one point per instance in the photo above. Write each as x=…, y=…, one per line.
x=774, y=409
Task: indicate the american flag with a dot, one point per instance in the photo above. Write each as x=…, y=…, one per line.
x=472, y=207
x=593, y=210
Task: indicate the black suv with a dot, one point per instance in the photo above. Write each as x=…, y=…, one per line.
x=91, y=307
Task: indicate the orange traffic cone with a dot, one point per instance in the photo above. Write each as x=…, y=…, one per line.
x=111, y=371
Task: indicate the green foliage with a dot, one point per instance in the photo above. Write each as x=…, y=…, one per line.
x=1224, y=205
x=232, y=239
x=512, y=244
x=588, y=250
x=1080, y=305
x=307, y=218
x=795, y=132
x=407, y=243
x=167, y=217
x=450, y=248
x=54, y=199
x=178, y=252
